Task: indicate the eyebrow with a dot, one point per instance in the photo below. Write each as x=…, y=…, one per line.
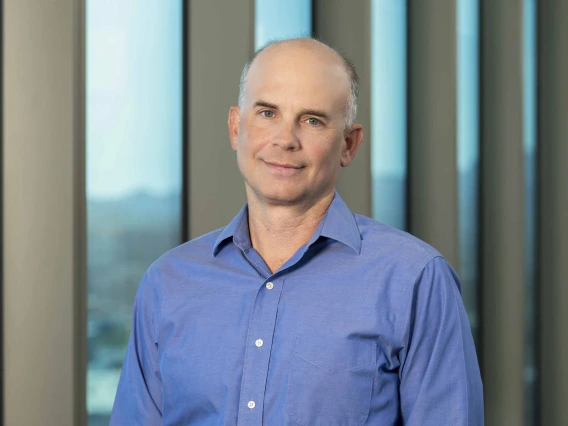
x=314, y=112
x=264, y=104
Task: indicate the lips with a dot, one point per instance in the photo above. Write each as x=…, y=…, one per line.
x=283, y=169
x=283, y=165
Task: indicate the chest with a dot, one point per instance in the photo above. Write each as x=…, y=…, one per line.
x=289, y=343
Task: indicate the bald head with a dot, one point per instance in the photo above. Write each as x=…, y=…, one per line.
x=292, y=48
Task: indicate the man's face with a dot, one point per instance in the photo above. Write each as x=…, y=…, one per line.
x=290, y=136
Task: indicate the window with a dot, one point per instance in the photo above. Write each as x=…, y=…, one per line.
x=276, y=20
x=388, y=112
x=529, y=134
x=134, y=170
x=468, y=156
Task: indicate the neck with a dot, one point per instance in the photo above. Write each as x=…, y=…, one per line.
x=278, y=231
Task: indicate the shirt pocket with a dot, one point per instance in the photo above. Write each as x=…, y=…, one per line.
x=330, y=381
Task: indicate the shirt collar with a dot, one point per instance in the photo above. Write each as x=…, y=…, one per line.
x=338, y=224
x=237, y=229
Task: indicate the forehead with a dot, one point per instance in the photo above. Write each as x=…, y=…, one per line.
x=298, y=75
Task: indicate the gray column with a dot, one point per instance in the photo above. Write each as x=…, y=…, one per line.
x=502, y=212
x=432, y=91
x=221, y=40
x=346, y=26
x=553, y=214
x=42, y=138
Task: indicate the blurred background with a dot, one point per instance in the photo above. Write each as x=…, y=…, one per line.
x=115, y=149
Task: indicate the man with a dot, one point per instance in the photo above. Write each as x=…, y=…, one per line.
x=299, y=312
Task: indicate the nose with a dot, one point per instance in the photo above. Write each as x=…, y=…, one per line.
x=287, y=137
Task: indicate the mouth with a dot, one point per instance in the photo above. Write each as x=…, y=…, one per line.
x=283, y=169
x=283, y=165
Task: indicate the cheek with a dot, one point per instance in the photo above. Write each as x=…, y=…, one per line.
x=328, y=154
x=243, y=147
x=249, y=151
x=252, y=141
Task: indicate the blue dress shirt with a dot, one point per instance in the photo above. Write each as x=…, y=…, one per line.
x=363, y=325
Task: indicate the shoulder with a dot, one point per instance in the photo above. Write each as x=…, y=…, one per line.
x=422, y=275
x=177, y=262
x=199, y=250
x=393, y=245
x=404, y=259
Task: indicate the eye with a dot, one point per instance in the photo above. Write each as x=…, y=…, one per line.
x=267, y=113
x=313, y=121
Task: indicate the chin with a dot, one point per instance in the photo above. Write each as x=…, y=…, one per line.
x=277, y=194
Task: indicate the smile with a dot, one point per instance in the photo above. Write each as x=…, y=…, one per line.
x=282, y=169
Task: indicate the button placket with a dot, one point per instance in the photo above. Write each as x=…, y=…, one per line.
x=257, y=355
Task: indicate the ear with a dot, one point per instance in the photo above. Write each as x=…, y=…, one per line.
x=352, y=139
x=234, y=125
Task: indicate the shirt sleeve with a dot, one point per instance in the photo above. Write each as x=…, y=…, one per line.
x=139, y=395
x=440, y=382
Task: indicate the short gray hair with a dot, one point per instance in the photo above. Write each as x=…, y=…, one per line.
x=349, y=68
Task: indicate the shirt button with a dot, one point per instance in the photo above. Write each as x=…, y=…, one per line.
x=251, y=404
x=258, y=344
x=269, y=286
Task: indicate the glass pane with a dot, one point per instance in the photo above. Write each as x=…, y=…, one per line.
x=388, y=111
x=529, y=131
x=468, y=155
x=276, y=20
x=134, y=175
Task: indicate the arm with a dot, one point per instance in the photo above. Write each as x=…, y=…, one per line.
x=139, y=395
x=440, y=382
